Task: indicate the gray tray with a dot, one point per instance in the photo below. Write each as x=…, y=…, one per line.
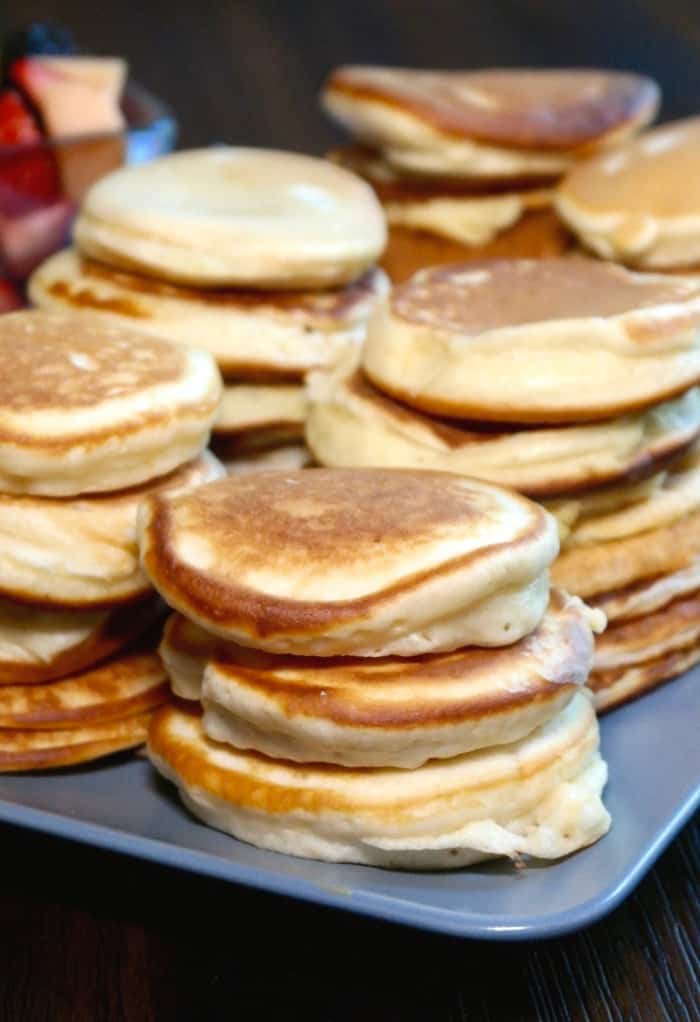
x=653, y=750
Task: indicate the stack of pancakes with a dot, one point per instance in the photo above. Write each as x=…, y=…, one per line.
x=93, y=417
x=264, y=258
x=465, y=162
x=640, y=204
x=573, y=381
x=384, y=675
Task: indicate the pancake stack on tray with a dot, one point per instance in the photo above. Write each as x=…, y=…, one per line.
x=465, y=163
x=93, y=417
x=640, y=204
x=383, y=672
x=265, y=258
x=573, y=381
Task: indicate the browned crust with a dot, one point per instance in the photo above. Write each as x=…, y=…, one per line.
x=621, y=685
x=539, y=234
x=120, y=628
x=607, y=567
x=236, y=607
x=628, y=99
x=456, y=434
x=15, y=760
x=247, y=791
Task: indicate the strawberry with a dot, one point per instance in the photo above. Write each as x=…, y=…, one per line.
x=10, y=298
x=18, y=125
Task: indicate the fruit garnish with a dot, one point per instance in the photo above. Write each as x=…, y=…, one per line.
x=10, y=298
x=44, y=38
x=73, y=95
x=18, y=125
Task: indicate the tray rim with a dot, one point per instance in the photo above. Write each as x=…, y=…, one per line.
x=475, y=926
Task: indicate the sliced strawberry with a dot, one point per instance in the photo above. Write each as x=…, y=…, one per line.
x=18, y=126
x=10, y=298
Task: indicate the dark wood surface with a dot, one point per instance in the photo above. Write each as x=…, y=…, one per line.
x=85, y=935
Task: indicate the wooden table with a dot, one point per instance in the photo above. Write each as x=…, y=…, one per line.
x=90, y=936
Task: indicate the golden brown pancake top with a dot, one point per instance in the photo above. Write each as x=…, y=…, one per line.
x=473, y=298
x=521, y=108
x=56, y=361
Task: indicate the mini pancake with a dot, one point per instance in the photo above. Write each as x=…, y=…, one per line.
x=608, y=567
x=642, y=598
x=234, y=216
x=362, y=562
x=127, y=685
x=640, y=204
x=539, y=796
x=536, y=341
x=252, y=334
x=386, y=711
x=46, y=750
x=82, y=552
x=42, y=645
x=619, y=685
x=675, y=626
x=350, y=422
x=88, y=406
x=677, y=495
x=487, y=124
x=250, y=407
x=289, y=458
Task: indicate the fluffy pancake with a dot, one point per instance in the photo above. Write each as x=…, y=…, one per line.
x=359, y=562
x=285, y=459
x=535, y=341
x=496, y=123
x=82, y=552
x=619, y=685
x=127, y=685
x=350, y=422
x=675, y=626
x=88, y=406
x=41, y=645
x=234, y=216
x=249, y=333
x=47, y=750
x=539, y=796
x=608, y=567
x=641, y=203
x=676, y=495
x=644, y=597
x=387, y=711
x=248, y=407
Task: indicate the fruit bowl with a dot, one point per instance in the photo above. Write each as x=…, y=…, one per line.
x=42, y=183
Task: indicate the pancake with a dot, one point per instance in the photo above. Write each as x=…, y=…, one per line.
x=88, y=406
x=285, y=459
x=619, y=685
x=677, y=495
x=675, y=626
x=642, y=598
x=487, y=124
x=641, y=203
x=42, y=645
x=535, y=341
x=46, y=750
x=251, y=334
x=608, y=567
x=358, y=562
x=249, y=407
x=128, y=685
x=386, y=711
x=234, y=216
x=539, y=796
x=82, y=552
x=350, y=422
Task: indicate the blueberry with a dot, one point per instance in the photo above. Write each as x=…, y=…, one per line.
x=40, y=38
